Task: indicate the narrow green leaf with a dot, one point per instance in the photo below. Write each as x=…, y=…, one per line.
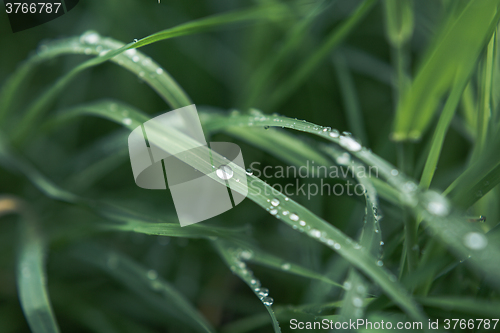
x=146, y=283
x=30, y=270
x=445, y=62
x=294, y=80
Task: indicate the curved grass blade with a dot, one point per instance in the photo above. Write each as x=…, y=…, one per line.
x=310, y=312
x=125, y=219
x=350, y=99
x=255, y=255
x=290, y=84
x=233, y=257
x=313, y=225
x=31, y=275
x=472, y=306
x=261, y=80
x=42, y=103
x=145, y=283
x=371, y=241
x=440, y=133
x=444, y=221
x=442, y=65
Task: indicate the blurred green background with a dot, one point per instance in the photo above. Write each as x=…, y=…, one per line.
x=355, y=85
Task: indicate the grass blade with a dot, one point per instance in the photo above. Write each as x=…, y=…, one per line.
x=31, y=275
x=293, y=82
x=145, y=283
x=442, y=65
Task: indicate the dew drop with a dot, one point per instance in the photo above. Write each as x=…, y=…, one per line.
x=381, y=243
x=337, y=246
x=315, y=233
x=286, y=266
x=294, y=217
x=135, y=40
x=361, y=289
x=349, y=143
x=475, y=241
x=255, y=112
x=159, y=70
x=380, y=263
x=152, y=274
x=394, y=172
x=334, y=133
x=266, y=127
x=302, y=223
x=135, y=58
x=262, y=292
x=249, y=172
x=246, y=255
x=437, y=205
x=285, y=213
x=130, y=52
x=156, y=285
x=255, y=283
x=275, y=202
x=410, y=187
x=268, y=301
x=127, y=121
x=343, y=159
x=274, y=211
x=347, y=285
x=90, y=37
x=224, y=172
x=357, y=302
x=88, y=50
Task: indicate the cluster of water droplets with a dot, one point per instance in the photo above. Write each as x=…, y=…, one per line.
x=241, y=269
x=358, y=291
x=93, y=44
x=277, y=211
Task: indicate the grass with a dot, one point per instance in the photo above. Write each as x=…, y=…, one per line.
x=97, y=253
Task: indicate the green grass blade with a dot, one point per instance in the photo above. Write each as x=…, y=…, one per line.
x=233, y=258
x=315, y=226
x=145, y=283
x=126, y=220
x=472, y=306
x=479, y=178
x=440, y=133
x=293, y=82
x=260, y=82
x=353, y=111
x=446, y=222
x=31, y=275
x=443, y=64
x=485, y=91
x=41, y=104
